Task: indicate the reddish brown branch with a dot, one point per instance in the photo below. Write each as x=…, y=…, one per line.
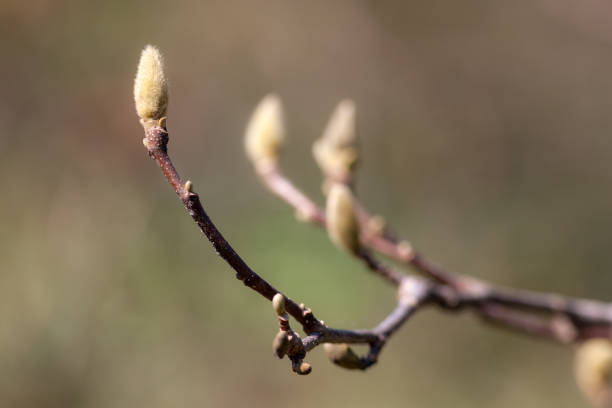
x=156, y=140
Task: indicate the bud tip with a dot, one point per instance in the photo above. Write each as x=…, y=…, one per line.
x=150, y=85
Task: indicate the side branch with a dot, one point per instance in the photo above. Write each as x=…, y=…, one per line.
x=413, y=292
x=523, y=311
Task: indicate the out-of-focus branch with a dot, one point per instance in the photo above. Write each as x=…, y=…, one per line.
x=306, y=209
x=548, y=315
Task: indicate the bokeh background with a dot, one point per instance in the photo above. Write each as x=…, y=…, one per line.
x=486, y=131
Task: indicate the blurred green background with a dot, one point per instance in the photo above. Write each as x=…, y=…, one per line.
x=485, y=128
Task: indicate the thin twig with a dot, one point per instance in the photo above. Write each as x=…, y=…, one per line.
x=413, y=293
x=156, y=140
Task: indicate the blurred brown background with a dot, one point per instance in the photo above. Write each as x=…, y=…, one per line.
x=486, y=130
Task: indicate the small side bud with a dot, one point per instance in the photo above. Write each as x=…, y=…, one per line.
x=593, y=369
x=304, y=369
x=188, y=186
x=280, y=344
x=376, y=225
x=405, y=250
x=151, y=86
x=278, y=303
x=342, y=225
x=343, y=356
x=265, y=133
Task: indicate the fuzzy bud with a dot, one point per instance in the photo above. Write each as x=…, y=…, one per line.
x=593, y=370
x=343, y=356
x=340, y=130
x=265, y=133
x=336, y=151
x=278, y=303
x=151, y=86
x=342, y=225
x=280, y=344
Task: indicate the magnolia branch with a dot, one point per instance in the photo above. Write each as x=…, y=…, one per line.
x=151, y=97
x=352, y=227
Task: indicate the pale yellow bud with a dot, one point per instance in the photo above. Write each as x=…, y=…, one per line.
x=265, y=133
x=278, y=303
x=340, y=130
x=151, y=86
x=342, y=225
x=336, y=151
x=593, y=369
x=342, y=355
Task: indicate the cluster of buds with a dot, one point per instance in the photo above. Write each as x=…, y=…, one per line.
x=335, y=152
x=287, y=342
